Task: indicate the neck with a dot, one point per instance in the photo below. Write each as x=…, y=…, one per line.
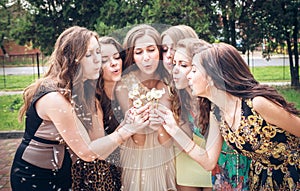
x=223, y=100
x=148, y=80
x=143, y=77
x=109, y=88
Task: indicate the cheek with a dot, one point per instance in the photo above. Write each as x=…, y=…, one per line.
x=155, y=55
x=137, y=59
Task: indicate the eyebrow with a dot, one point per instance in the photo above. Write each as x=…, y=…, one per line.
x=147, y=46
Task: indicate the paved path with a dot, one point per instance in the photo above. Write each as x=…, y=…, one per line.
x=7, y=151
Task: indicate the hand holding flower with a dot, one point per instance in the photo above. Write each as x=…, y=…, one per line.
x=137, y=118
x=163, y=116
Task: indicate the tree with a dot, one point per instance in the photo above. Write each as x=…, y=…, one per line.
x=174, y=12
x=249, y=30
x=46, y=19
x=279, y=20
x=5, y=22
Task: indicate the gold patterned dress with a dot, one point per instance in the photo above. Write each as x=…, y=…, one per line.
x=150, y=167
x=275, y=153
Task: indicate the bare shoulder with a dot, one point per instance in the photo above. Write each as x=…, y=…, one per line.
x=53, y=99
x=263, y=105
x=120, y=86
x=259, y=101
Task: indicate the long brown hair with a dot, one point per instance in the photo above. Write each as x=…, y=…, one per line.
x=104, y=101
x=64, y=71
x=182, y=102
x=129, y=45
x=179, y=32
x=229, y=72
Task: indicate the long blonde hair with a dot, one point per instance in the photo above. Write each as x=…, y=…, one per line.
x=64, y=71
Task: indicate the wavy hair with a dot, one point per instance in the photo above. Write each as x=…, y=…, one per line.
x=179, y=32
x=229, y=72
x=183, y=102
x=65, y=72
x=104, y=101
x=129, y=45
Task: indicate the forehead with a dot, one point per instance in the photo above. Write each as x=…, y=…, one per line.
x=108, y=49
x=181, y=54
x=144, y=41
x=93, y=43
x=197, y=61
x=167, y=40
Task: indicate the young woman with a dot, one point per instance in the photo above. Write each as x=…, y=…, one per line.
x=231, y=171
x=189, y=174
x=254, y=119
x=148, y=157
x=60, y=112
x=169, y=39
x=103, y=174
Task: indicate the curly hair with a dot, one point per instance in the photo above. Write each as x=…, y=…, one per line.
x=183, y=102
x=100, y=92
x=229, y=72
x=64, y=69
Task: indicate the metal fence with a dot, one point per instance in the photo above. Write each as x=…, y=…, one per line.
x=29, y=66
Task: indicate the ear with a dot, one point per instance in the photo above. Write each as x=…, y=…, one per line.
x=209, y=80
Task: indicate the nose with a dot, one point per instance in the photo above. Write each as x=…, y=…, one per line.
x=146, y=56
x=169, y=53
x=175, y=69
x=188, y=76
x=113, y=62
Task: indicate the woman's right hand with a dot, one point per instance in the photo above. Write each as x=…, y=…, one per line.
x=163, y=115
x=136, y=119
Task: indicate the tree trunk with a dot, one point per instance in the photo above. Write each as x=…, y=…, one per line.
x=226, y=29
x=295, y=78
x=294, y=81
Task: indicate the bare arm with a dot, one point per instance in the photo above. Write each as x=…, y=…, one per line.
x=277, y=115
x=163, y=135
x=207, y=157
x=54, y=107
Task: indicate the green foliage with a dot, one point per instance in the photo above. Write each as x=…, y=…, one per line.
x=9, y=106
x=279, y=22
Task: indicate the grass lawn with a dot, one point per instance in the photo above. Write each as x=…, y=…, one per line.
x=16, y=82
x=9, y=105
x=9, y=108
x=271, y=73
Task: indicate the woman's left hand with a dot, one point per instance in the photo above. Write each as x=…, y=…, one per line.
x=161, y=115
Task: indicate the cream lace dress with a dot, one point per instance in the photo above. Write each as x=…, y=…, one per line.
x=150, y=167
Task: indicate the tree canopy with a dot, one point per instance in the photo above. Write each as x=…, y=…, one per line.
x=247, y=21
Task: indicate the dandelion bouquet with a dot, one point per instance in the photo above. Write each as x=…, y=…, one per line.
x=139, y=98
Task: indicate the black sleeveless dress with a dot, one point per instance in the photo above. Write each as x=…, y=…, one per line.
x=43, y=173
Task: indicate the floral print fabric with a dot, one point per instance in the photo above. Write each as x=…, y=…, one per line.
x=275, y=153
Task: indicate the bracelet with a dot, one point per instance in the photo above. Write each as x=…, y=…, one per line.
x=119, y=134
x=194, y=145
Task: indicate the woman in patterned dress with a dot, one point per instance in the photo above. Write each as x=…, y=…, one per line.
x=254, y=119
x=103, y=174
